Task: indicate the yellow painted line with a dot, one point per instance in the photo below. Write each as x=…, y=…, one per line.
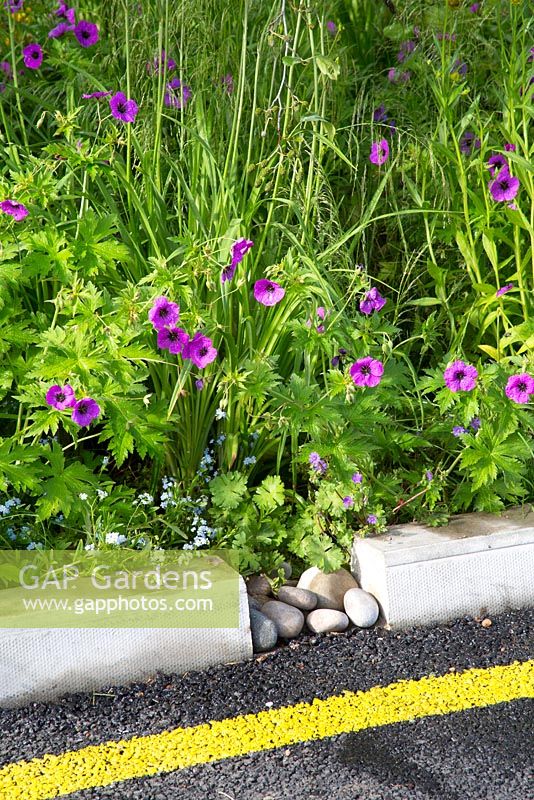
x=100, y=765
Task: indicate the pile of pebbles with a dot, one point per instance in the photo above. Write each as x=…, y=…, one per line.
x=317, y=603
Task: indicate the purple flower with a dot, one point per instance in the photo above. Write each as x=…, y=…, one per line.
x=504, y=187
x=460, y=377
x=317, y=463
x=429, y=476
x=175, y=340
x=372, y=519
x=531, y=55
x=60, y=397
x=177, y=94
x=468, y=143
x=497, y=162
x=160, y=62
x=65, y=11
x=33, y=56
x=85, y=411
x=475, y=8
x=475, y=424
x=459, y=68
x=15, y=210
x=331, y=27
x=228, y=272
x=228, y=82
x=520, y=387
x=5, y=66
x=60, y=30
x=122, y=108
x=86, y=33
x=394, y=76
x=95, y=95
x=14, y=5
x=201, y=351
x=163, y=313
x=321, y=312
x=458, y=431
x=268, y=293
x=357, y=477
x=373, y=301
x=199, y=383
x=509, y=147
x=239, y=249
x=406, y=48
x=379, y=152
x=380, y=114
x=348, y=502
x=504, y=289
x=367, y=372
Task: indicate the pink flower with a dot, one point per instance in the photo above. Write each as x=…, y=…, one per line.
x=60, y=397
x=367, y=372
x=268, y=293
x=379, y=152
x=200, y=350
x=460, y=377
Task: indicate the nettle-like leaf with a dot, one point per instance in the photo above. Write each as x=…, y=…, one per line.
x=270, y=494
x=19, y=466
x=60, y=491
x=228, y=490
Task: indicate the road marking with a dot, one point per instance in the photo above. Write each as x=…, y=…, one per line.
x=54, y=776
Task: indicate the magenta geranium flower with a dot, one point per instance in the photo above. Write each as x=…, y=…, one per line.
x=85, y=411
x=86, y=33
x=227, y=82
x=331, y=27
x=201, y=351
x=173, y=339
x=520, y=387
x=163, y=312
x=469, y=142
x=14, y=5
x=504, y=187
x=60, y=30
x=60, y=397
x=33, y=56
x=238, y=251
x=317, y=463
x=95, y=95
x=379, y=152
x=504, y=289
x=5, y=66
x=161, y=62
x=15, y=210
x=348, y=501
x=367, y=372
x=122, y=108
x=496, y=162
x=64, y=11
x=177, y=94
x=509, y=147
x=460, y=376
x=268, y=293
x=373, y=301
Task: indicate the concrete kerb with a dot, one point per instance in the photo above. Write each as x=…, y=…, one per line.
x=44, y=664
x=476, y=565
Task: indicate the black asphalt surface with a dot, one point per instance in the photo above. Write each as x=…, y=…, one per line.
x=475, y=754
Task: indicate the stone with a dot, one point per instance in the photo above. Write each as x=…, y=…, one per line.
x=327, y=620
x=263, y=630
x=258, y=584
x=307, y=576
x=300, y=598
x=330, y=588
x=289, y=620
x=254, y=603
x=361, y=607
x=261, y=599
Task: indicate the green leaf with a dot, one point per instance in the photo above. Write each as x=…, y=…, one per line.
x=270, y=494
x=228, y=490
x=328, y=67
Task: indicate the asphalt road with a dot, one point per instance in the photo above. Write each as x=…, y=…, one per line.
x=475, y=754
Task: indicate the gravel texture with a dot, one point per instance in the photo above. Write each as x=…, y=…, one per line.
x=474, y=755
x=488, y=741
